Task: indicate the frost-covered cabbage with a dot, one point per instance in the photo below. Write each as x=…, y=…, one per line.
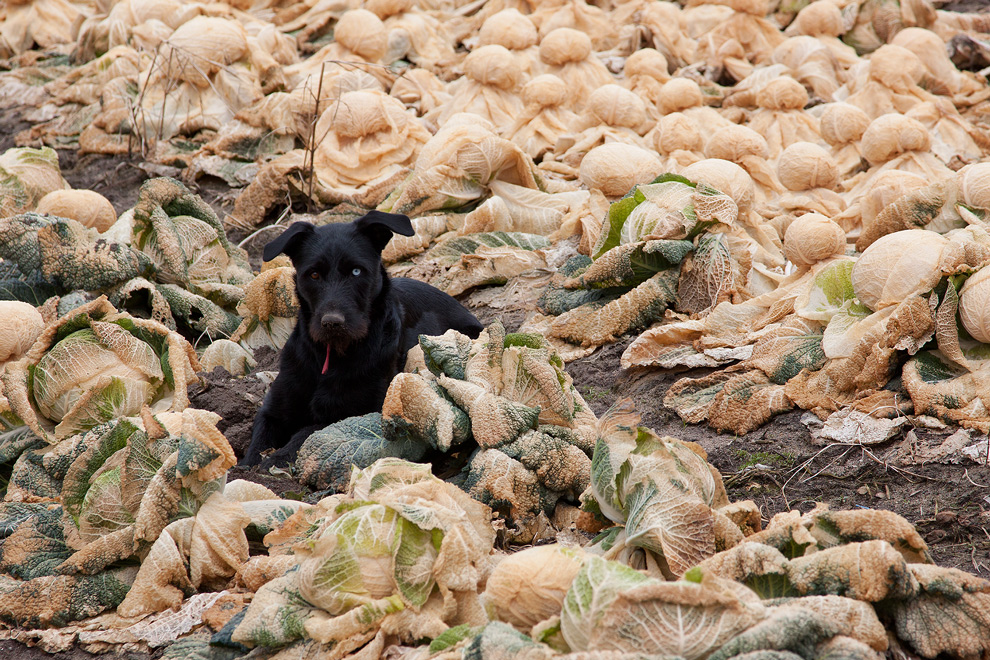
x=892, y=134
x=670, y=207
x=187, y=243
x=803, y=166
x=614, y=168
x=232, y=357
x=457, y=164
x=67, y=255
x=812, y=237
x=529, y=586
x=94, y=365
x=396, y=552
x=973, y=307
x=26, y=176
x=20, y=325
x=645, y=236
x=902, y=264
x=91, y=209
x=596, y=586
x=612, y=607
x=830, y=292
x=636, y=477
x=117, y=487
x=508, y=393
x=269, y=309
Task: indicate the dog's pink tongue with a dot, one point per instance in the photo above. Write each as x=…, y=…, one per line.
x=326, y=363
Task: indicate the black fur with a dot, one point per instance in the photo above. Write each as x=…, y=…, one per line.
x=365, y=322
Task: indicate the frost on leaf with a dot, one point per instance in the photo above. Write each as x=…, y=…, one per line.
x=500, y=640
x=27, y=175
x=453, y=249
x=851, y=618
x=393, y=549
x=67, y=254
x=456, y=166
x=760, y=567
x=630, y=264
x=872, y=571
x=663, y=209
x=661, y=489
x=685, y=618
x=737, y=402
x=420, y=409
x=747, y=401
x=325, y=459
x=595, y=323
x=95, y=364
x=950, y=614
x=129, y=483
x=186, y=241
x=832, y=528
x=487, y=265
x=269, y=309
x=783, y=629
x=595, y=587
x=941, y=388
x=707, y=276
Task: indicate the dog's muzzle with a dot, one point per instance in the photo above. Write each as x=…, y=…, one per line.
x=333, y=321
x=334, y=333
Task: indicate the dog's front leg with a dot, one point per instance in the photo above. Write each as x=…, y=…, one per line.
x=268, y=432
x=287, y=454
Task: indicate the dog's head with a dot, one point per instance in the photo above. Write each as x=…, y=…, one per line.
x=339, y=273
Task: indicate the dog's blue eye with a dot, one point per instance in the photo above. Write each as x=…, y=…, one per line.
x=356, y=272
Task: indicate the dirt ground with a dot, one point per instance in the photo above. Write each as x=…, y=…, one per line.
x=968, y=6
x=780, y=468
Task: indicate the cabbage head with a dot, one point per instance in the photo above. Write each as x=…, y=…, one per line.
x=27, y=175
x=186, y=242
x=508, y=394
x=94, y=365
x=133, y=477
x=662, y=490
x=670, y=207
x=400, y=550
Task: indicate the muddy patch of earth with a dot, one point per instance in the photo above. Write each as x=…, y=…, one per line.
x=780, y=468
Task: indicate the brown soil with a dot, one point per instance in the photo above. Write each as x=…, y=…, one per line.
x=965, y=6
x=11, y=123
x=118, y=178
x=17, y=651
x=236, y=400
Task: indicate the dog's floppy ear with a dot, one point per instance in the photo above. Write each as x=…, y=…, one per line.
x=379, y=227
x=289, y=241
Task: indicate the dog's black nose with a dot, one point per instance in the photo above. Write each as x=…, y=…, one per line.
x=331, y=319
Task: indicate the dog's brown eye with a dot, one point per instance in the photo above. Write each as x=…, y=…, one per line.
x=314, y=275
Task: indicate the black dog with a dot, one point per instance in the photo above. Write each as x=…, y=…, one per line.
x=354, y=329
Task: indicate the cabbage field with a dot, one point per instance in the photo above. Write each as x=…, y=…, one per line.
x=731, y=402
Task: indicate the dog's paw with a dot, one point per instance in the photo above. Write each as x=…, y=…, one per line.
x=284, y=457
